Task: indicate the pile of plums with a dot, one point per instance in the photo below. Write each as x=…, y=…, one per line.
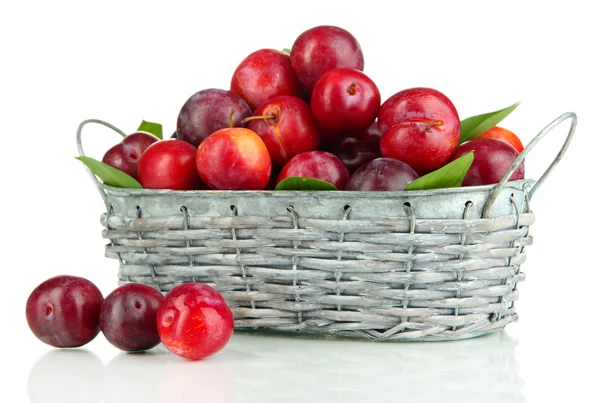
x=311, y=113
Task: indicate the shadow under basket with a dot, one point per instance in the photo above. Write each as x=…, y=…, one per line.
x=421, y=265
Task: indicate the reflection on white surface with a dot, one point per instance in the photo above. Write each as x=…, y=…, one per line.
x=262, y=368
x=164, y=377
x=65, y=376
x=286, y=369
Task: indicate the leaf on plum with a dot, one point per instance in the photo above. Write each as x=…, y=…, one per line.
x=449, y=176
x=109, y=175
x=299, y=183
x=152, y=128
x=479, y=124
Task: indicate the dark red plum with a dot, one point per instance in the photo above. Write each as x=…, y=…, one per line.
x=345, y=99
x=323, y=48
x=330, y=139
x=318, y=165
x=64, y=311
x=210, y=110
x=492, y=160
x=292, y=130
x=382, y=174
x=273, y=179
x=125, y=155
x=128, y=317
x=263, y=75
x=356, y=148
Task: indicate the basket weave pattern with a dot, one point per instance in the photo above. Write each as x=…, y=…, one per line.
x=381, y=278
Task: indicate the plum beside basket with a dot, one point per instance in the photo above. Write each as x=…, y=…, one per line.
x=421, y=265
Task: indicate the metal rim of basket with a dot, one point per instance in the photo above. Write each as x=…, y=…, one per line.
x=496, y=189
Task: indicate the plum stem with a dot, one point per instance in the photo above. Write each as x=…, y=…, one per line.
x=249, y=118
x=434, y=123
x=231, y=118
x=352, y=89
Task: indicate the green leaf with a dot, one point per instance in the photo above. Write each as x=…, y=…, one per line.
x=299, y=183
x=109, y=175
x=287, y=50
x=152, y=128
x=479, y=124
x=450, y=175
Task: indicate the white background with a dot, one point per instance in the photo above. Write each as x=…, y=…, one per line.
x=126, y=61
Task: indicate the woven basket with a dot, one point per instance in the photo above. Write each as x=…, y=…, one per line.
x=419, y=265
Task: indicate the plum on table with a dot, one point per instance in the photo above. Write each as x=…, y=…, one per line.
x=64, y=311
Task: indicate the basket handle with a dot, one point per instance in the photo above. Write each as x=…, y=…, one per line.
x=82, y=153
x=498, y=188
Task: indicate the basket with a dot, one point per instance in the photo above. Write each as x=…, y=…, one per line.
x=421, y=265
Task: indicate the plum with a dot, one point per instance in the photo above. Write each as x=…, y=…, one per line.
x=169, y=164
x=421, y=127
x=382, y=174
x=345, y=99
x=356, y=148
x=505, y=135
x=265, y=74
x=194, y=321
x=291, y=130
x=125, y=155
x=210, y=110
x=492, y=160
x=64, y=311
x=318, y=165
x=234, y=159
x=128, y=317
x=321, y=49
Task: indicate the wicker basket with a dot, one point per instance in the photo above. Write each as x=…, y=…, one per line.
x=420, y=265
